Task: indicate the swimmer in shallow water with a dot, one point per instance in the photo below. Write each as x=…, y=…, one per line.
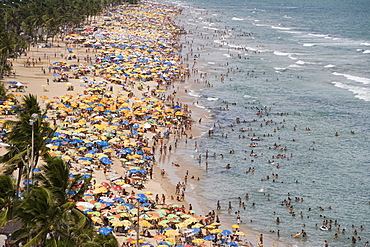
x=228, y=166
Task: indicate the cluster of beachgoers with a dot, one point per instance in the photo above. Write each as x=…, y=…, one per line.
x=119, y=112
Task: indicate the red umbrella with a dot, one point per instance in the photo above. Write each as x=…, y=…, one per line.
x=117, y=187
x=105, y=185
x=159, y=237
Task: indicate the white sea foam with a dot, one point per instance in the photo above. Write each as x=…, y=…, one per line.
x=261, y=25
x=366, y=44
x=303, y=62
x=290, y=55
x=210, y=28
x=237, y=19
x=200, y=106
x=193, y=93
x=227, y=55
x=366, y=51
x=294, y=66
x=280, y=28
x=308, y=45
x=329, y=66
x=277, y=68
x=212, y=99
x=359, y=92
x=318, y=35
x=249, y=96
x=354, y=78
x=211, y=63
x=278, y=53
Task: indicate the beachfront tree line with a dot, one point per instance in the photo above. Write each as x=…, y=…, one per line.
x=26, y=22
x=38, y=202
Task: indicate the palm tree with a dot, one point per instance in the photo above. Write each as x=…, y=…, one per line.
x=10, y=44
x=49, y=214
x=4, y=93
x=26, y=141
x=45, y=221
x=7, y=198
x=56, y=177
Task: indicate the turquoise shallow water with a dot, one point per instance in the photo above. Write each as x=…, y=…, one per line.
x=308, y=60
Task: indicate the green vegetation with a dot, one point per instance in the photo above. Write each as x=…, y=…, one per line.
x=27, y=22
x=45, y=205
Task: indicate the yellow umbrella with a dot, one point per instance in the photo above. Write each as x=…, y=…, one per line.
x=117, y=223
x=171, y=232
x=145, y=223
x=240, y=233
x=235, y=226
x=216, y=231
x=198, y=225
x=199, y=241
x=172, y=240
x=126, y=222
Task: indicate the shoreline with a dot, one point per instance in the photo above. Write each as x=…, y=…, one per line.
x=38, y=78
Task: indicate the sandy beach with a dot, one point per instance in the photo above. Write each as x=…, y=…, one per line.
x=39, y=71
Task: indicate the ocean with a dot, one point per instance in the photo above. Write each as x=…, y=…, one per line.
x=287, y=87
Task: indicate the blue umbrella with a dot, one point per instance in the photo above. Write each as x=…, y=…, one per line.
x=105, y=231
x=119, y=199
x=226, y=233
x=163, y=243
x=85, y=158
x=86, y=176
x=37, y=170
x=147, y=244
x=141, y=195
x=103, y=143
x=232, y=244
x=106, y=161
x=209, y=237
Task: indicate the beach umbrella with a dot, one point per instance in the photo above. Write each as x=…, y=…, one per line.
x=226, y=233
x=105, y=231
x=235, y=226
x=198, y=241
x=145, y=223
x=216, y=231
x=240, y=233
x=117, y=187
x=105, y=185
x=209, y=237
x=172, y=232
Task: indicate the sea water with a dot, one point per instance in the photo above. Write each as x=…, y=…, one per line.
x=303, y=66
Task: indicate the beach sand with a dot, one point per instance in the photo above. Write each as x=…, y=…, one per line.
x=38, y=80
